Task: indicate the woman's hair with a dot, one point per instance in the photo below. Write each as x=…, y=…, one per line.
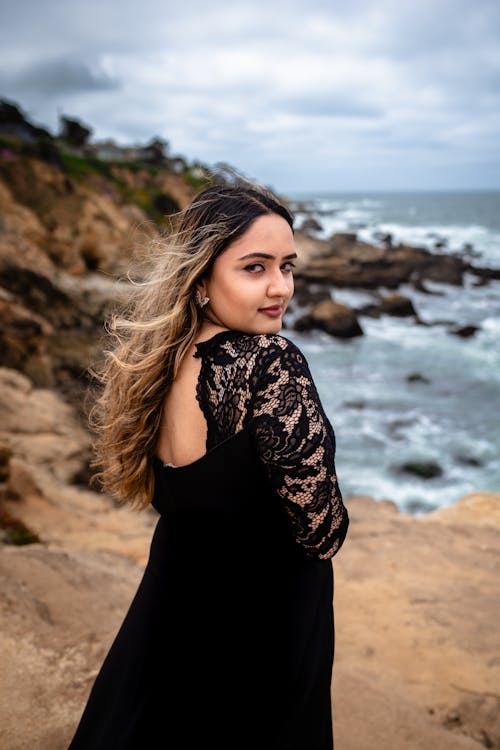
x=155, y=330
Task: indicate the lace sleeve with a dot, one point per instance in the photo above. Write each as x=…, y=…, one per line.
x=296, y=444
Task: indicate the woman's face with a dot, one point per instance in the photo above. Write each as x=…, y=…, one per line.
x=251, y=282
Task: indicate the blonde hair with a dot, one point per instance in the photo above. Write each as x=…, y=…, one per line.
x=154, y=331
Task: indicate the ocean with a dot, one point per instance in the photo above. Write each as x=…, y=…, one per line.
x=405, y=393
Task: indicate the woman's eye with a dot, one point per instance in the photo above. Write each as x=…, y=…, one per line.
x=254, y=267
x=288, y=267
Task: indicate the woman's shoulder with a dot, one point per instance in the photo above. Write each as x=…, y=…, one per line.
x=236, y=345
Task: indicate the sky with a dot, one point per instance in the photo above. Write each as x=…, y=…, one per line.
x=306, y=95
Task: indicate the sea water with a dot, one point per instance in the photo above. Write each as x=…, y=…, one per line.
x=403, y=392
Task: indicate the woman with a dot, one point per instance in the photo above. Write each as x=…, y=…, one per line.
x=211, y=416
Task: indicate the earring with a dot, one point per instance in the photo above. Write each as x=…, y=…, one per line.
x=200, y=301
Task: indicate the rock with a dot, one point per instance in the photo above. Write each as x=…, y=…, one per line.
x=445, y=269
x=422, y=469
x=40, y=430
x=5, y=456
x=22, y=481
x=476, y=508
x=341, y=240
x=419, y=286
x=24, y=342
x=354, y=404
x=14, y=531
x=467, y=460
x=311, y=225
x=485, y=274
x=397, y=304
x=391, y=304
x=308, y=294
x=346, y=261
x=42, y=296
x=334, y=318
x=464, y=332
x=407, y=653
x=59, y=611
x=51, y=328
x=417, y=377
x=406, y=657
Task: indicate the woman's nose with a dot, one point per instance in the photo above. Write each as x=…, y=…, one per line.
x=278, y=286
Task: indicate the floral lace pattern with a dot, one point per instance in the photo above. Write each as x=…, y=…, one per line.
x=263, y=383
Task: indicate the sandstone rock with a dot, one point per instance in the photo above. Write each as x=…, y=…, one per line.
x=22, y=235
x=414, y=603
x=55, y=632
x=476, y=508
x=52, y=329
x=22, y=481
x=39, y=428
x=23, y=342
x=407, y=658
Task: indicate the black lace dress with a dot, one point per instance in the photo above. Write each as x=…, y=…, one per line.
x=229, y=640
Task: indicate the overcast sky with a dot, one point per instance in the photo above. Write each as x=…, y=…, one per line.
x=301, y=95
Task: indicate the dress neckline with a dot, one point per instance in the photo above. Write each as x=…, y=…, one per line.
x=207, y=343
x=180, y=468
x=201, y=347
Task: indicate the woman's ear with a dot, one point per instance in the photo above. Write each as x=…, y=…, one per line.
x=201, y=287
x=200, y=294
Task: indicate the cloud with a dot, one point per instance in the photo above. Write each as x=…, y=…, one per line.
x=59, y=76
x=301, y=90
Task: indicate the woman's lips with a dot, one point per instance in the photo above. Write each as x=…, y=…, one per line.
x=273, y=312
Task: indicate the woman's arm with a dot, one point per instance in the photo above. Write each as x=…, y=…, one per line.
x=296, y=444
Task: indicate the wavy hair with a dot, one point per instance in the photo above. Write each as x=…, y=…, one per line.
x=153, y=332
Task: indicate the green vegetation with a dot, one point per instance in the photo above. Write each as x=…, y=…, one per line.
x=80, y=167
x=15, y=531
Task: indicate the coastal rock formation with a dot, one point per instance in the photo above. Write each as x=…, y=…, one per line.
x=45, y=453
x=416, y=650
x=59, y=612
x=345, y=261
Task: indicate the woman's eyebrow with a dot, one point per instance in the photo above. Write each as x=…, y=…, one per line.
x=267, y=256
